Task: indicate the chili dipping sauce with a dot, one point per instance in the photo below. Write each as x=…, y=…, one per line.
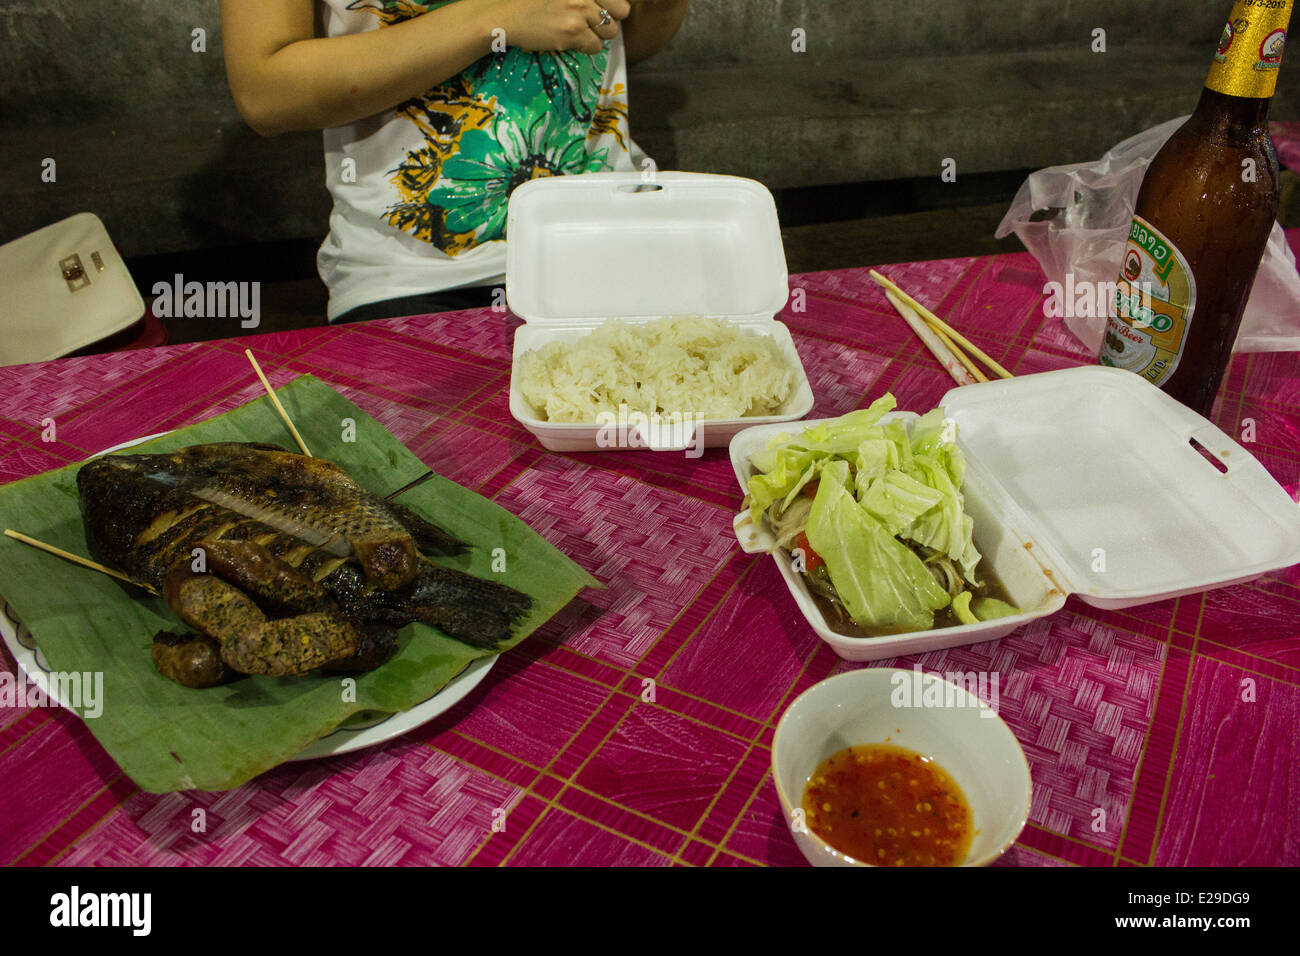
x=890, y=806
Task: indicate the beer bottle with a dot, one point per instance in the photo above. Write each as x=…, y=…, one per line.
x=1202, y=220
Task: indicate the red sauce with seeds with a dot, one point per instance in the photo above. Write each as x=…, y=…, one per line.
x=889, y=806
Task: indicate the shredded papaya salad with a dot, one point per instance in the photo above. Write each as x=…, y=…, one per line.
x=874, y=516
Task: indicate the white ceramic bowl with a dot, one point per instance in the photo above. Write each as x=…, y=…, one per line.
x=962, y=734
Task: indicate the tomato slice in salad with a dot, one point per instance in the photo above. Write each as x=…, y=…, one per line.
x=811, y=559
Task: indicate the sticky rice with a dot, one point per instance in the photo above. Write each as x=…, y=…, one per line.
x=676, y=366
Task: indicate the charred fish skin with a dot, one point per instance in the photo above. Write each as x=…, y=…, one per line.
x=310, y=498
x=429, y=538
x=149, y=514
x=472, y=610
x=115, y=517
x=478, y=612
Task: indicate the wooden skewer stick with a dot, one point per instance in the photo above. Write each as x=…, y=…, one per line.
x=76, y=559
x=932, y=341
x=276, y=402
x=942, y=326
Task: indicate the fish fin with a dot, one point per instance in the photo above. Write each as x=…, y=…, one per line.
x=472, y=610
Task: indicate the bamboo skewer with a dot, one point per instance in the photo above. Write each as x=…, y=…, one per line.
x=276, y=402
x=76, y=559
x=951, y=335
x=947, y=358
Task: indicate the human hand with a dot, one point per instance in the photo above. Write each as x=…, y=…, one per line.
x=582, y=25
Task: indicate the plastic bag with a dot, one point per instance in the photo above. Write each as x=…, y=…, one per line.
x=1084, y=211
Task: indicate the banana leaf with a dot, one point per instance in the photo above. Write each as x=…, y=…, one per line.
x=167, y=737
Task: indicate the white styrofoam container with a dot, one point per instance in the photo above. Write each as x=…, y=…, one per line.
x=1081, y=481
x=585, y=249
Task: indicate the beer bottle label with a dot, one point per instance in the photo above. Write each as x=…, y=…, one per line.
x=1154, y=300
x=1250, y=49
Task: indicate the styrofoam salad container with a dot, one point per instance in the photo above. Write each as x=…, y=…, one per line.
x=1081, y=481
x=585, y=249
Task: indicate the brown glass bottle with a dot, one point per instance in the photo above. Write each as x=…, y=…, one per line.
x=1202, y=221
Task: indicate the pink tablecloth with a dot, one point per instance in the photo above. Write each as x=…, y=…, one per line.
x=1286, y=136
x=1142, y=714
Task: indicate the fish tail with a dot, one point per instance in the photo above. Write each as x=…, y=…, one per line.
x=472, y=610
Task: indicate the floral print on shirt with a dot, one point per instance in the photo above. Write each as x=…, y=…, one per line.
x=510, y=117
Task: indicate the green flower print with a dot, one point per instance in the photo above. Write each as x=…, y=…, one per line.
x=570, y=81
x=477, y=181
x=511, y=116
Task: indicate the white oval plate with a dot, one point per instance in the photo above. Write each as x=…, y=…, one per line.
x=352, y=735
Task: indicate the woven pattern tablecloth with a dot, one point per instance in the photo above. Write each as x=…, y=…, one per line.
x=561, y=756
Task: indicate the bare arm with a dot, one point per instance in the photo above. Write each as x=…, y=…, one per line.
x=285, y=78
x=650, y=26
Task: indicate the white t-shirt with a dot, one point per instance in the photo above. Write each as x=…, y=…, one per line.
x=420, y=191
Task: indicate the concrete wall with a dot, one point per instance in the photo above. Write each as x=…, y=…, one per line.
x=144, y=132
x=726, y=32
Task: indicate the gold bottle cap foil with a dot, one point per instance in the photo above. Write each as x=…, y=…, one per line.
x=1250, y=49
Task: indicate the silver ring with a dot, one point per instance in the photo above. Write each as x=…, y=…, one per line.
x=604, y=18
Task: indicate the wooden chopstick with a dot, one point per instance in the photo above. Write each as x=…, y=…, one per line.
x=961, y=356
x=950, y=335
x=969, y=346
x=276, y=402
x=77, y=559
x=947, y=358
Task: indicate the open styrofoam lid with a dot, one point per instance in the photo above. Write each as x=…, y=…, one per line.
x=1098, y=467
x=607, y=245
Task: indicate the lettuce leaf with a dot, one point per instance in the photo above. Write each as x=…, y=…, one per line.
x=789, y=466
x=928, y=433
x=782, y=468
x=879, y=579
x=882, y=487
x=979, y=609
x=946, y=527
x=897, y=500
x=987, y=608
x=876, y=458
x=961, y=607
x=841, y=436
x=934, y=436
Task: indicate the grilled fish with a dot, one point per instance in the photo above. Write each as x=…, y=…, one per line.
x=281, y=561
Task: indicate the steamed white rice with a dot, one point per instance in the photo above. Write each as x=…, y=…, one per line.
x=674, y=366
